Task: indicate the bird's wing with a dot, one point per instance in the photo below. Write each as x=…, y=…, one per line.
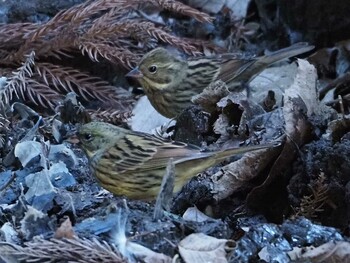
x=147, y=152
x=232, y=66
x=227, y=67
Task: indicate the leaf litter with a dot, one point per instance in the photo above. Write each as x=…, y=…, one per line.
x=262, y=206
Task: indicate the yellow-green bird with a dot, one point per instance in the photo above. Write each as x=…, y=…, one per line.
x=170, y=82
x=133, y=164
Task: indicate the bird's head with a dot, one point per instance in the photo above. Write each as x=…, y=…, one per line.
x=159, y=69
x=98, y=136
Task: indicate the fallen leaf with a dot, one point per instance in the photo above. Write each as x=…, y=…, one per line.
x=202, y=248
x=304, y=87
x=193, y=214
x=232, y=177
x=147, y=255
x=300, y=103
x=332, y=251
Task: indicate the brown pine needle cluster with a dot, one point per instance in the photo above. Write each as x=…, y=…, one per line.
x=311, y=205
x=35, y=57
x=61, y=250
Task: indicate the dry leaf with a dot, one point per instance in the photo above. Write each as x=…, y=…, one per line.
x=328, y=252
x=233, y=176
x=300, y=102
x=202, y=248
x=304, y=87
x=147, y=255
x=193, y=214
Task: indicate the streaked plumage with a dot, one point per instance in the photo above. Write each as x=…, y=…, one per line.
x=170, y=82
x=133, y=164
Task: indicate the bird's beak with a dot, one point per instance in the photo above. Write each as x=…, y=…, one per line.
x=135, y=73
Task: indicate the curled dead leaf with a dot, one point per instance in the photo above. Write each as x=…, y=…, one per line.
x=202, y=248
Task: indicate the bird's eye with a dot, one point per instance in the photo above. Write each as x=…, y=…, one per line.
x=88, y=137
x=152, y=69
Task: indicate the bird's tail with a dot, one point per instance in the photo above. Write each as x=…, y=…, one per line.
x=294, y=50
x=236, y=151
x=254, y=67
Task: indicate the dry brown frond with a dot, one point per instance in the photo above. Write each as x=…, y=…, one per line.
x=114, y=54
x=16, y=83
x=49, y=82
x=22, y=85
x=40, y=94
x=56, y=44
x=95, y=28
x=143, y=31
x=139, y=28
x=72, y=17
x=62, y=250
x=111, y=115
x=82, y=13
x=13, y=35
x=58, y=34
x=66, y=79
x=127, y=5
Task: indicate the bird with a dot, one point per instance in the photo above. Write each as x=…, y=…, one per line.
x=170, y=81
x=132, y=164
